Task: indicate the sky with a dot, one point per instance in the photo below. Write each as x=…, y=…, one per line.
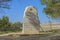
x=17, y=7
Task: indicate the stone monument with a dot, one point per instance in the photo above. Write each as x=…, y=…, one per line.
x=31, y=24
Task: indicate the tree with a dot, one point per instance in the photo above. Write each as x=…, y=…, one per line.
x=17, y=26
x=0, y=23
x=5, y=24
x=52, y=8
x=5, y=21
x=3, y=4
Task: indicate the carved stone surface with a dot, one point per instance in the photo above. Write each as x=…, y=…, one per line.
x=31, y=24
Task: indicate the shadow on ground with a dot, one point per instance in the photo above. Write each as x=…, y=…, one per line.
x=33, y=37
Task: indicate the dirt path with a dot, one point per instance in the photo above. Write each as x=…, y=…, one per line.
x=29, y=37
x=33, y=37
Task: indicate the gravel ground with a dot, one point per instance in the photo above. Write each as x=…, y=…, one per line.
x=33, y=37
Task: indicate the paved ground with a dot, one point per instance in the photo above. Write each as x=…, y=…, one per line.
x=33, y=37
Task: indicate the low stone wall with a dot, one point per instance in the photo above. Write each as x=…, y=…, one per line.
x=52, y=26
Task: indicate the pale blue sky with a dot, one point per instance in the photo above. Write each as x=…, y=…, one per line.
x=17, y=10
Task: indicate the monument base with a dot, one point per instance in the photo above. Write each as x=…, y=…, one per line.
x=32, y=31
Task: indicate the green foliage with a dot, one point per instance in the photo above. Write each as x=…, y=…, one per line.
x=6, y=25
x=4, y=22
x=17, y=24
x=52, y=8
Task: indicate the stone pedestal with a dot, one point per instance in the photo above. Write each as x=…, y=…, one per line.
x=31, y=24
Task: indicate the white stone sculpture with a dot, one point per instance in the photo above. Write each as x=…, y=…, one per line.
x=31, y=24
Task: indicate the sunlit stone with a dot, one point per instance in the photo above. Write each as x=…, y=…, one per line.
x=31, y=24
